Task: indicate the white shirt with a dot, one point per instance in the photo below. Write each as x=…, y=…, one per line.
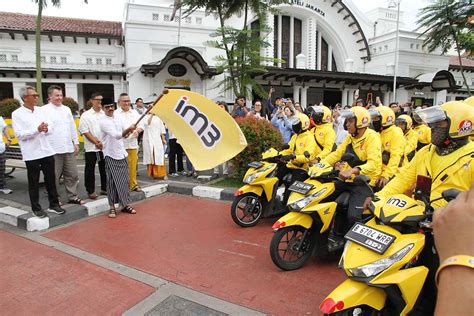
x=64, y=136
x=111, y=128
x=33, y=144
x=2, y=126
x=89, y=123
x=128, y=118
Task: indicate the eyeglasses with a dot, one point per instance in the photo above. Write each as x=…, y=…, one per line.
x=33, y=95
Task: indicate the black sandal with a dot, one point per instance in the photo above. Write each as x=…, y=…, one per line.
x=76, y=200
x=112, y=213
x=128, y=209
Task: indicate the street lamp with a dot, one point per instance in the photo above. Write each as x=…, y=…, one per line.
x=395, y=4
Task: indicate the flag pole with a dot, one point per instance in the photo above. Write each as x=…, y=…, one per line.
x=165, y=91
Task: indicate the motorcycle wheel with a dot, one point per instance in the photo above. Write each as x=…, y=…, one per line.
x=362, y=311
x=246, y=210
x=283, y=248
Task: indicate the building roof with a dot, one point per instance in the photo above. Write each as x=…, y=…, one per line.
x=27, y=23
x=467, y=63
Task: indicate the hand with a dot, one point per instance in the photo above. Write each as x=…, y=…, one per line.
x=452, y=226
x=164, y=142
x=76, y=149
x=340, y=165
x=288, y=157
x=381, y=182
x=43, y=127
x=135, y=133
x=99, y=145
x=367, y=202
x=346, y=174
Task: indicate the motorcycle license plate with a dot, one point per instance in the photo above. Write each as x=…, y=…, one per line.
x=255, y=164
x=370, y=238
x=300, y=187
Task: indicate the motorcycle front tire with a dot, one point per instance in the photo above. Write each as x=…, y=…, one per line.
x=291, y=235
x=241, y=205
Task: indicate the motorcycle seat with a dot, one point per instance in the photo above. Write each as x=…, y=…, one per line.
x=343, y=200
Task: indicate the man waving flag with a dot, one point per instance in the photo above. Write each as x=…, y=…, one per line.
x=207, y=133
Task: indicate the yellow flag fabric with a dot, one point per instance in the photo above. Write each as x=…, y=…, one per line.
x=207, y=133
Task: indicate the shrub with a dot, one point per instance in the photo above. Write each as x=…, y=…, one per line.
x=261, y=135
x=72, y=104
x=7, y=106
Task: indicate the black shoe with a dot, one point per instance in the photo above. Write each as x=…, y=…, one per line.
x=57, y=209
x=335, y=242
x=40, y=213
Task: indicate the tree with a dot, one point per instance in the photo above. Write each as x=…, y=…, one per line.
x=41, y=5
x=445, y=23
x=241, y=45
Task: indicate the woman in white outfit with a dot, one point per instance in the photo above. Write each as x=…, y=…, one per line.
x=154, y=141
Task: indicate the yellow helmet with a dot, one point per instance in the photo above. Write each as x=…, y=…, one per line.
x=404, y=119
x=386, y=114
x=459, y=115
x=299, y=122
x=469, y=101
x=321, y=114
x=361, y=115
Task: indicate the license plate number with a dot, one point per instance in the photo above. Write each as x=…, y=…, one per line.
x=300, y=187
x=370, y=238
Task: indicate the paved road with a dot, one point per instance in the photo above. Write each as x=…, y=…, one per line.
x=189, y=251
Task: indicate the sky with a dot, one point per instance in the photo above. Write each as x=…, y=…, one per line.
x=112, y=10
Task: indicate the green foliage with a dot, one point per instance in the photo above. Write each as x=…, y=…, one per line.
x=7, y=106
x=466, y=42
x=261, y=135
x=72, y=104
x=444, y=23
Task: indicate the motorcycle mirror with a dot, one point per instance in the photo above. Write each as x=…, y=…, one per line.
x=307, y=154
x=423, y=185
x=450, y=194
x=348, y=157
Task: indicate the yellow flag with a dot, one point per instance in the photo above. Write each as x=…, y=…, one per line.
x=207, y=133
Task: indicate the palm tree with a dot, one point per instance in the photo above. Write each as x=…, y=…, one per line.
x=41, y=5
x=445, y=21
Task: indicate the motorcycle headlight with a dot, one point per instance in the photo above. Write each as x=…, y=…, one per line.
x=251, y=177
x=302, y=203
x=374, y=268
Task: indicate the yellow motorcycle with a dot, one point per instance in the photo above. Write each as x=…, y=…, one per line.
x=259, y=197
x=304, y=231
x=386, y=260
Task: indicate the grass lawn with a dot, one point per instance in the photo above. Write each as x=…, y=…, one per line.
x=228, y=183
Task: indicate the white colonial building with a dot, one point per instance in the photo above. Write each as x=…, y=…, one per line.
x=328, y=47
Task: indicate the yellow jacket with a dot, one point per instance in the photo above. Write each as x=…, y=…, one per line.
x=393, y=144
x=325, y=138
x=367, y=149
x=455, y=170
x=411, y=139
x=424, y=134
x=299, y=143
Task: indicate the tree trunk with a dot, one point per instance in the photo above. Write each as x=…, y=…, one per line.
x=39, y=87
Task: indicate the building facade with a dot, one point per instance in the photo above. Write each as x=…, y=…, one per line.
x=328, y=51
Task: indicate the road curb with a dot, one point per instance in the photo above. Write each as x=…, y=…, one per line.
x=27, y=221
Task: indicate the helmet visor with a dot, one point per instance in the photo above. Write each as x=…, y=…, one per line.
x=347, y=114
x=431, y=115
x=374, y=113
x=400, y=121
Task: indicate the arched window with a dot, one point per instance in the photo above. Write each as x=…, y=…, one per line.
x=286, y=39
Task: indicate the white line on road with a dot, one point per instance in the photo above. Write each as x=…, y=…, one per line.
x=236, y=253
x=247, y=243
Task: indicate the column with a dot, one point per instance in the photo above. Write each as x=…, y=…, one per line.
x=329, y=57
x=345, y=97
x=71, y=90
x=304, y=97
x=248, y=98
x=319, y=50
x=296, y=93
x=16, y=89
x=269, y=50
x=279, y=39
x=386, y=98
x=312, y=41
x=117, y=90
x=440, y=97
x=292, y=40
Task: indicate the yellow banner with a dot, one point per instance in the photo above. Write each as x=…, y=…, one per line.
x=207, y=133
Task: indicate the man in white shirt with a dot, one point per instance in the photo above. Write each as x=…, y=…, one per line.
x=89, y=127
x=116, y=164
x=6, y=133
x=129, y=116
x=32, y=130
x=64, y=141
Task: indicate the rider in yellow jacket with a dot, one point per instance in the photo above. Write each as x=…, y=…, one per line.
x=393, y=142
x=423, y=131
x=323, y=132
x=470, y=101
x=405, y=123
x=301, y=150
x=448, y=161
